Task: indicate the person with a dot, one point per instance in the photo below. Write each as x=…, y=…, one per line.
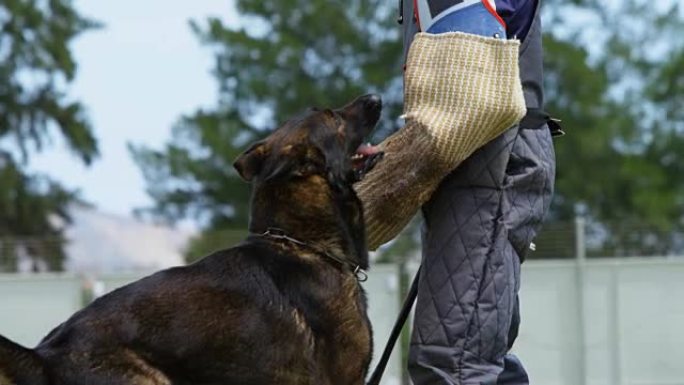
x=467, y=313
x=483, y=209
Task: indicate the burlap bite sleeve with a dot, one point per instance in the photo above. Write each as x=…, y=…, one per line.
x=460, y=92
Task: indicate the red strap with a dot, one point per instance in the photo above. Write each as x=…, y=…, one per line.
x=416, y=16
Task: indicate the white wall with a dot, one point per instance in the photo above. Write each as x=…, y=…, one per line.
x=624, y=327
x=31, y=305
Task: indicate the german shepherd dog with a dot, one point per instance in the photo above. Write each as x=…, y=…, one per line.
x=283, y=307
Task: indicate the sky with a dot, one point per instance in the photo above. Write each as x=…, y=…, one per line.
x=136, y=77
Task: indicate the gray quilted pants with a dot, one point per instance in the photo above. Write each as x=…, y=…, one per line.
x=478, y=227
x=483, y=216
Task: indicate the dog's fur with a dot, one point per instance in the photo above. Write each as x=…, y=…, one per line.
x=268, y=311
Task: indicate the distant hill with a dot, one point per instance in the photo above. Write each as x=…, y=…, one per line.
x=100, y=242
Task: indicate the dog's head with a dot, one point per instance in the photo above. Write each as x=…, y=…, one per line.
x=321, y=141
x=309, y=165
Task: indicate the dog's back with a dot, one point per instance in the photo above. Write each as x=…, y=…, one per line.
x=263, y=312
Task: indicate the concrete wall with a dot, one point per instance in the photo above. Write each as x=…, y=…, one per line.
x=31, y=305
x=616, y=321
x=612, y=322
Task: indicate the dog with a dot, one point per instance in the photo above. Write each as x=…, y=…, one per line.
x=285, y=306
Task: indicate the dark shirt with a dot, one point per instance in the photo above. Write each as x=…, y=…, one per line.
x=518, y=15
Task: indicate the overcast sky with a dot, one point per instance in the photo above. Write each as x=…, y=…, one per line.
x=136, y=76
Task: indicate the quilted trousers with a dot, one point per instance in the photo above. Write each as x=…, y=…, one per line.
x=478, y=223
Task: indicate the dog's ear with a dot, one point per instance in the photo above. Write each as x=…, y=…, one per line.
x=295, y=160
x=250, y=162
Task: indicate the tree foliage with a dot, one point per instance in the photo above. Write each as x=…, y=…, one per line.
x=614, y=74
x=36, y=65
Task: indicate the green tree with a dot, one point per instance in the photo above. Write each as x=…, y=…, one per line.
x=614, y=75
x=613, y=72
x=36, y=65
x=286, y=56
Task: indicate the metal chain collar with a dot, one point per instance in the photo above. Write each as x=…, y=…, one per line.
x=276, y=233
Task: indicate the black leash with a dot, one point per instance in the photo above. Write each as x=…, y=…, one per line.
x=396, y=331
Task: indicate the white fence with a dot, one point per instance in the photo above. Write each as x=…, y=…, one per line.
x=612, y=322
x=600, y=322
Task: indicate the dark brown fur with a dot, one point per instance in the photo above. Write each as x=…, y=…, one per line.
x=268, y=311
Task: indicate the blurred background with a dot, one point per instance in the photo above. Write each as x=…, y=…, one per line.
x=119, y=123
